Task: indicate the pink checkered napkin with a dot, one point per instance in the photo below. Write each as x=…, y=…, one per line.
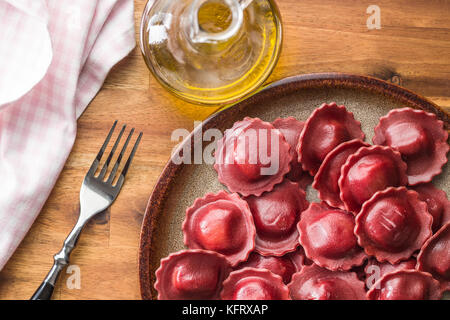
x=54, y=57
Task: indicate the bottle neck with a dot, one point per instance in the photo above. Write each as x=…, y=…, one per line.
x=199, y=36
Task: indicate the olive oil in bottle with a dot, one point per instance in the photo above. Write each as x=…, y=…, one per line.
x=211, y=51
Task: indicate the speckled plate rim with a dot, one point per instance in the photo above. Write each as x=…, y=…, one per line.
x=271, y=91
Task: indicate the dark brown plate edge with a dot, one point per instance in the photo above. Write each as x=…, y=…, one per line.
x=284, y=86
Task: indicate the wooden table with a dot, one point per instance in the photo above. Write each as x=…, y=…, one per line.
x=412, y=48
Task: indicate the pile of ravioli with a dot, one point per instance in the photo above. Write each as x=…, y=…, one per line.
x=381, y=230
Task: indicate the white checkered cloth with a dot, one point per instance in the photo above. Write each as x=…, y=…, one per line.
x=54, y=57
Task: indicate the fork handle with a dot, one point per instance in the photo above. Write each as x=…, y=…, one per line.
x=45, y=290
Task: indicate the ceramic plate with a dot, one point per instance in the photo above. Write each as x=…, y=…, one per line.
x=178, y=186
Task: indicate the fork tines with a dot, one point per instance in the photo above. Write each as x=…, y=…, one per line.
x=112, y=175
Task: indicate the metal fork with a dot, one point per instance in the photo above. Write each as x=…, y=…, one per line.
x=96, y=195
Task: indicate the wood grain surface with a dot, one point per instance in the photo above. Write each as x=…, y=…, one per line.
x=412, y=49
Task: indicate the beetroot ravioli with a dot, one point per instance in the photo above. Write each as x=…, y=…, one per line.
x=326, y=179
x=316, y=283
x=283, y=266
x=437, y=203
x=434, y=257
x=393, y=224
x=254, y=284
x=220, y=222
x=326, y=128
x=327, y=237
x=276, y=215
x=405, y=285
x=369, y=170
x=291, y=129
x=298, y=258
x=420, y=138
x=252, y=157
x=191, y=275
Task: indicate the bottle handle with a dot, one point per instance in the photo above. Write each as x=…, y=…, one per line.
x=197, y=35
x=244, y=3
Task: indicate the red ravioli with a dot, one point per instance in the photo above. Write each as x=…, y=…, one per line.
x=326, y=235
x=298, y=258
x=276, y=215
x=374, y=270
x=405, y=285
x=434, y=257
x=316, y=283
x=220, y=222
x=326, y=128
x=369, y=170
x=254, y=284
x=291, y=129
x=191, y=275
x=252, y=157
x=420, y=138
x=326, y=179
x=393, y=224
x=283, y=266
x=438, y=204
